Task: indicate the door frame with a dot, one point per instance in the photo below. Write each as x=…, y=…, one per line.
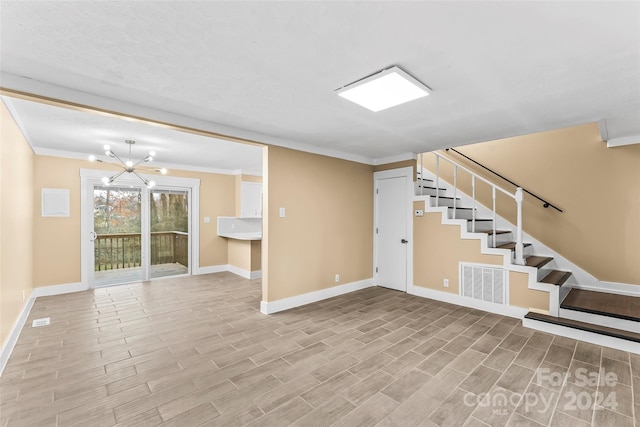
x=89, y=177
x=408, y=173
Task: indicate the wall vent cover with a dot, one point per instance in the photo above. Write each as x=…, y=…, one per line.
x=483, y=283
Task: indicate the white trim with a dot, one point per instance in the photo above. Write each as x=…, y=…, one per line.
x=505, y=310
x=601, y=320
x=66, y=288
x=212, y=269
x=244, y=273
x=578, y=334
x=269, y=307
x=405, y=172
x=612, y=288
x=40, y=151
x=14, y=334
x=625, y=140
x=393, y=159
x=90, y=177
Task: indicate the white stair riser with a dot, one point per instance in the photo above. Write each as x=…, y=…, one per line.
x=480, y=225
x=527, y=251
x=500, y=239
x=429, y=191
x=545, y=270
x=597, y=319
x=447, y=202
x=461, y=214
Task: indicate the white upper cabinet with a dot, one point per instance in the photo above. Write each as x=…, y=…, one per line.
x=250, y=199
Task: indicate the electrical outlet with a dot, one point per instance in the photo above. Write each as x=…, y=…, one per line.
x=337, y=278
x=446, y=283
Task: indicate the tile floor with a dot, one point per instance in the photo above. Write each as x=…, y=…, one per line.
x=197, y=351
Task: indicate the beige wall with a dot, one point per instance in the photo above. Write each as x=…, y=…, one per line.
x=16, y=222
x=397, y=165
x=245, y=254
x=57, y=252
x=438, y=250
x=597, y=187
x=328, y=225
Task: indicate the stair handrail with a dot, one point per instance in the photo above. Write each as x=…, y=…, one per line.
x=545, y=203
x=518, y=197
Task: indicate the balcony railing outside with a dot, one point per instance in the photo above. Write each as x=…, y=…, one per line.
x=117, y=251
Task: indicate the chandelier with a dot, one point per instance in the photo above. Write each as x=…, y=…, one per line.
x=128, y=166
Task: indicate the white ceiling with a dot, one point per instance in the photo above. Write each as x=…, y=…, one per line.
x=66, y=132
x=497, y=69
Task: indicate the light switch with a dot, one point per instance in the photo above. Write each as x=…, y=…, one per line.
x=419, y=212
x=282, y=213
x=207, y=219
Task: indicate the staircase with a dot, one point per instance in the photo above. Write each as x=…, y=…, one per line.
x=603, y=318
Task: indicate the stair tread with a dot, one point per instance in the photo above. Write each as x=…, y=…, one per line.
x=556, y=277
x=511, y=245
x=602, y=303
x=491, y=231
x=450, y=198
x=590, y=327
x=431, y=188
x=480, y=219
x=537, y=261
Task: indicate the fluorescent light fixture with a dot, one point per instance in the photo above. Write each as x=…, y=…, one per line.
x=384, y=89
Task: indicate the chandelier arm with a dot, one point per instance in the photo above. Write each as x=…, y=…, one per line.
x=115, y=176
x=146, y=159
x=143, y=179
x=115, y=156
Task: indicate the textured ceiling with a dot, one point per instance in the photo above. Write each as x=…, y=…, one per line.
x=497, y=69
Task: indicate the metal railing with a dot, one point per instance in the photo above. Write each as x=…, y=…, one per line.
x=117, y=251
x=545, y=204
x=517, y=197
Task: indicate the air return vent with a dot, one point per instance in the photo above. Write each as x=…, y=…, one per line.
x=483, y=283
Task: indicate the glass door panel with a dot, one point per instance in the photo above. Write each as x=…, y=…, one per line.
x=169, y=225
x=117, y=225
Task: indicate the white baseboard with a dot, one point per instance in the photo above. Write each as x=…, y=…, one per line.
x=269, y=307
x=244, y=273
x=67, y=288
x=212, y=269
x=504, y=310
x=612, y=288
x=12, y=338
x=578, y=334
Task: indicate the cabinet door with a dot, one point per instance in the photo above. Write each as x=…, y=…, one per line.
x=251, y=199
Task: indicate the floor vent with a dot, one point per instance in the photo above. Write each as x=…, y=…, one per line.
x=483, y=283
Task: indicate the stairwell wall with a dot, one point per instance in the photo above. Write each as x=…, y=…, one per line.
x=597, y=187
x=438, y=251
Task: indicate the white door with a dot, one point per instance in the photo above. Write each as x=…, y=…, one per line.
x=391, y=232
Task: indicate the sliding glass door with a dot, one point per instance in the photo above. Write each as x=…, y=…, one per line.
x=117, y=224
x=169, y=217
x=139, y=234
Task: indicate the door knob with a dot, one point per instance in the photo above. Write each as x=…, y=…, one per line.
x=404, y=241
x=93, y=236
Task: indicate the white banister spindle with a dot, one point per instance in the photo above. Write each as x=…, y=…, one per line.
x=473, y=197
x=455, y=188
x=437, y=178
x=493, y=195
x=519, y=245
x=421, y=180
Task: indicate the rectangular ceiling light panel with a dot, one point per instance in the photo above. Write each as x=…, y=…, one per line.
x=384, y=89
